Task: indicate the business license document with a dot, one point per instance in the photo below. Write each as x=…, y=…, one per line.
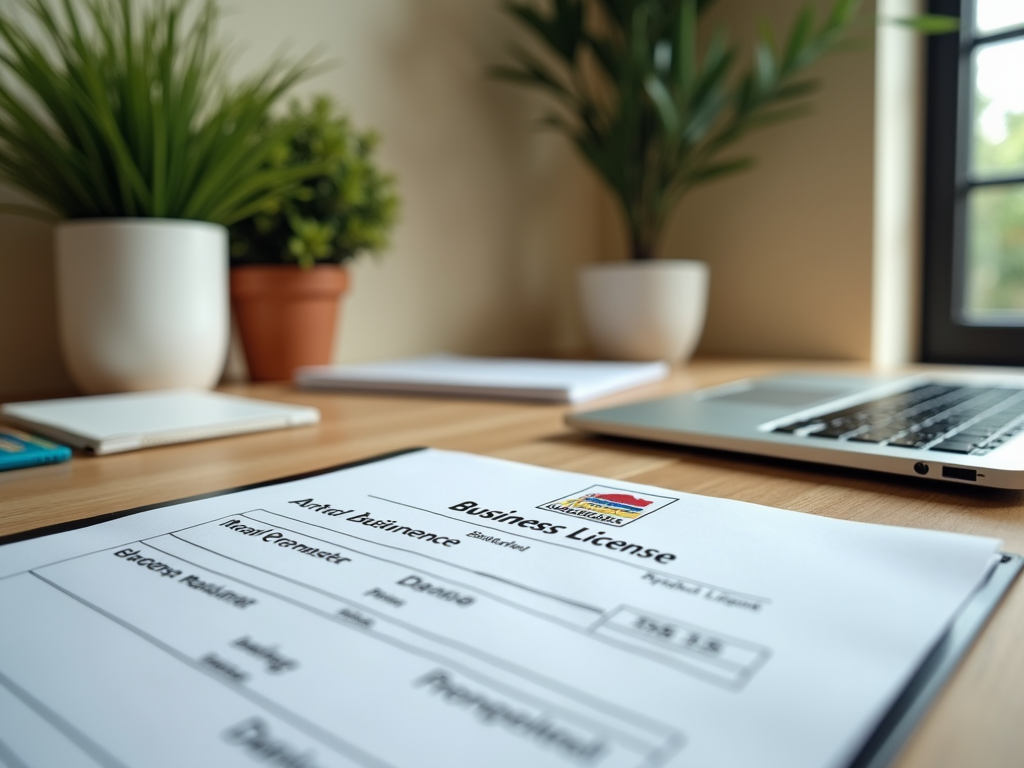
x=442, y=609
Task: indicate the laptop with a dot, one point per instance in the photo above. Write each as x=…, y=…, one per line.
x=963, y=428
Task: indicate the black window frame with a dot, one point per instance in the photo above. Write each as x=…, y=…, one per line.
x=946, y=337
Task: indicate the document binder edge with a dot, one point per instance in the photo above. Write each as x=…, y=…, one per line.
x=897, y=725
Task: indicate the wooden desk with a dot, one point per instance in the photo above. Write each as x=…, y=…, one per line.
x=978, y=720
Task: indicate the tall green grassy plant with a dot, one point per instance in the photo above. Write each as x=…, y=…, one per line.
x=654, y=112
x=112, y=108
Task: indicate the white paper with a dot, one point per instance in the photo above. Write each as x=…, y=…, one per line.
x=379, y=616
x=127, y=421
x=572, y=381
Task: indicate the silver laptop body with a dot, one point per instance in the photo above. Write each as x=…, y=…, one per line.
x=970, y=430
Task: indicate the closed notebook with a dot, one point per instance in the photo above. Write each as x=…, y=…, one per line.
x=125, y=422
x=19, y=449
x=571, y=381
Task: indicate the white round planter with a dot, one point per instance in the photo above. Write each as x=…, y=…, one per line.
x=142, y=303
x=645, y=310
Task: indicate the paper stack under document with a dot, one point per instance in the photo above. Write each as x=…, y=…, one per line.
x=571, y=381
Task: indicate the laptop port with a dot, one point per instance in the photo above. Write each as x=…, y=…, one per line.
x=959, y=473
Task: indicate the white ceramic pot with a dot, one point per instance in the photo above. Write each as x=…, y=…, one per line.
x=645, y=310
x=142, y=303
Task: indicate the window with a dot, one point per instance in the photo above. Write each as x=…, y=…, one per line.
x=974, y=187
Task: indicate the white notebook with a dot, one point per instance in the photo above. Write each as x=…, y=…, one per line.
x=125, y=422
x=567, y=381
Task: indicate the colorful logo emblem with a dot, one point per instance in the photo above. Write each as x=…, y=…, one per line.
x=607, y=506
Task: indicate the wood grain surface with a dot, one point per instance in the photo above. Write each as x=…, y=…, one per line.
x=978, y=720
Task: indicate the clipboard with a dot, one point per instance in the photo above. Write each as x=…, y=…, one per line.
x=896, y=726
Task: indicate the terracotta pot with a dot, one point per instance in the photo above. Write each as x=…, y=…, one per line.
x=286, y=316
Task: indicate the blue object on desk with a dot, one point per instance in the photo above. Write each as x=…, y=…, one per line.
x=20, y=449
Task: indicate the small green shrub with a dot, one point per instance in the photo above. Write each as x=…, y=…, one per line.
x=330, y=218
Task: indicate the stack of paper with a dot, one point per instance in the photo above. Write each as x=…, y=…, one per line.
x=572, y=381
x=131, y=420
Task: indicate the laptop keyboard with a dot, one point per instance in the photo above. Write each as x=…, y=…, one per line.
x=955, y=419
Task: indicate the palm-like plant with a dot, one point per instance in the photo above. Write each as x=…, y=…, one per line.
x=113, y=108
x=654, y=115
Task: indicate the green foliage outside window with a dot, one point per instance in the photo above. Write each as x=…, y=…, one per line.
x=995, y=243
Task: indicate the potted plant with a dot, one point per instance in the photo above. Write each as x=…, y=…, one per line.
x=116, y=116
x=288, y=259
x=655, y=114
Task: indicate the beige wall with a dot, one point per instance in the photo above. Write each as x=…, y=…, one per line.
x=494, y=213
x=497, y=215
